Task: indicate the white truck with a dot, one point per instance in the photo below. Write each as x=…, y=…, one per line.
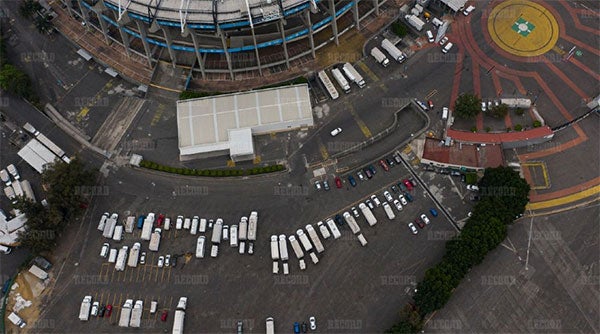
x=202, y=226
x=304, y=240
x=102, y=222
x=147, y=227
x=200, y=247
x=217, y=232
x=283, y=250
x=368, y=214
x=353, y=75
x=324, y=231
x=10, y=193
x=394, y=52
x=233, y=236
x=270, y=325
x=328, y=85
x=388, y=211
x=194, y=227
x=121, y=258
x=134, y=255
x=16, y=320
x=136, y=314
x=84, y=309
x=274, y=248
x=252, y=225
x=179, y=316
x=243, y=230
x=27, y=190
x=414, y=21
x=380, y=57
x=29, y=128
x=109, y=227
x=339, y=77
x=314, y=238
x=187, y=223
x=129, y=224
x=351, y=222
x=112, y=255
x=362, y=239
x=50, y=145
x=17, y=187
x=296, y=247
x=155, y=240
x=118, y=235
x=334, y=230
x=125, y=313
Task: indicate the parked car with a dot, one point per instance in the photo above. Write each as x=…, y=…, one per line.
x=375, y=200
x=360, y=175
x=160, y=220
x=352, y=180
x=394, y=189
x=398, y=205
x=167, y=260
x=338, y=219
x=108, y=310
x=105, y=249
x=444, y=40
x=408, y=197
x=483, y=106
x=251, y=248
x=384, y=165
x=419, y=223
x=472, y=187
x=102, y=311
x=390, y=162
x=372, y=169
x=402, y=186
x=338, y=182
x=163, y=316
x=355, y=212
x=326, y=185
x=317, y=185
x=240, y=327
x=161, y=261
x=370, y=204
x=430, y=104
x=368, y=173
x=143, y=258
x=336, y=132
x=425, y=218
x=433, y=212
x=403, y=200
x=408, y=185
x=412, y=181
x=174, y=262
x=413, y=228
x=140, y=221
x=388, y=196
x=397, y=158
x=296, y=327
x=313, y=323
x=95, y=308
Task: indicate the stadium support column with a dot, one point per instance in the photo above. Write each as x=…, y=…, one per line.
x=334, y=26
x=226, y=50
x=256, y=50
x=198, y=55
x=310, y=33
x=376, y=4
x=97, y=9
x=285, y=50
x=169, y=40
x=124, y=35
x=355, y=12
x=144, y=34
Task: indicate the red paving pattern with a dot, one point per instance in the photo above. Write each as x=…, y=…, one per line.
x=465, y=41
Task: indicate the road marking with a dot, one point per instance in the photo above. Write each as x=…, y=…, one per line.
x=367, y=70
x=361, y=124
x=157, y=115
x=323, y=150
x=383, y=87
x=431, y=94
x=84, y=111
x=531, y=165
x=230, y=163
x=565, y=199
x=257, y=159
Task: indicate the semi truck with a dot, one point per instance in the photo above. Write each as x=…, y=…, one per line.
x=304, y=240
x=200, y=247
x=368, y=214
x=16, y=320
x=103, y=220
x=339, y=77
x=394, y=52
x=283, y=250
x=270, y=325
x=353, y=75
x=109, y=227
x=328, y=85
x=125, y=313
x=414, y=21
x=18, y=189
x=217, y=231
x=351, y=222
x=155, y=240
x=112, y=255
x=84, y=309
x=315, y=238
x=50, y=145
x=136, y=314
x=194, y=227
x=147, y=228
x=29, y=128
x=129, y=224
x=296, y=247
x=274, y=248
x=202, y=226
x=252, y=225
x=27, y=190
x=243, y=230
x=334, y=230
x=324, y=231
x=233, y=236
x=380, y=57
x=118, y=235
x=10, y=193
x=187, y=223
x=134, y=255
x=121, y=258
x=388, y=211
x=179, y=316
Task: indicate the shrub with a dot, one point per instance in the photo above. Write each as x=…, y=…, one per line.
x=508, y=129
x=520, y=111
x=473, y=129
x=518, y=127
x=537, y=124
x=399, y=29
x=488, y=129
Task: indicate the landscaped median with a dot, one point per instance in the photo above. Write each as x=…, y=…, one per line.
x=211, y=172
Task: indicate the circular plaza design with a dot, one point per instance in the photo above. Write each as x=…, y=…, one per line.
x=523, y=28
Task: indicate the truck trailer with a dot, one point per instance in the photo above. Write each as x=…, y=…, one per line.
x=121, y=259
x=233, y=236
x=200, y=247
x=414, y=21
x=353, y=75
x=380, y=57
x=252, y=225
x=296, y=247
x=109, y=227
x=388, y=211
x=334, y=230
x=155, y=240
x=274, y=248
x=27, y=190
x=324, y=231
x=147, y=227
x=339, y=77
x=328, y=85
x=368, y=214
x=394, y=52
x=179, y=316
x=84, y=309
x=315, y=238
x=129, y=224
x=351, y=222
x=125, y=313
x=134, y=255
x=283, y=250
x=304, y=240
x=118, y=235
x=136, y=314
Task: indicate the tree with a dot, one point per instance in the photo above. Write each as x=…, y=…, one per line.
x=399, y=29
x=505, y=188
x=537, y=124
x=467, y=106
x=29, y=7
x=433, y=291
x=15, y=81
x=42, y=24
x=499, y=111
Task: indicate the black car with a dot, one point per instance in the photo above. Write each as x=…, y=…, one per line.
x=463, y=178
x=101, y=311
x=402, y=186
x=390, y=162
x=304, y=327
x=174, y=261
x=394, y=189
x=339, y=220
x=372, y=169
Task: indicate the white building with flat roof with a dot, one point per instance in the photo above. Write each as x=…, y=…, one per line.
x=225, y=124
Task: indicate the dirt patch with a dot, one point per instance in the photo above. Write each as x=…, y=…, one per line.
x=29, y=288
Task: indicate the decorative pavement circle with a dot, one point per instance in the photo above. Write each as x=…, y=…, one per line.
x=523, y=28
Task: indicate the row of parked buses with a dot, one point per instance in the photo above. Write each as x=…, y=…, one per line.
x=351, y=76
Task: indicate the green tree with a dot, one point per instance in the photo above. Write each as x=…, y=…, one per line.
x=537, y=124
x=520, y=111
x=505, y=188
x=42, y=227
x=15, y=81
x=43, y=24
x=467, y=106
x=499, y=111
x=434, y=291
x=28, y=8
x=403, y=327
x=399, y=29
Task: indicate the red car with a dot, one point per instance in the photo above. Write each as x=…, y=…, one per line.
x=108, y=311
x=160, y=220
x=419, y=222
x=338, y=182
x=430, y=104
x=408, y=185
x=384, y=165
x=163, y=316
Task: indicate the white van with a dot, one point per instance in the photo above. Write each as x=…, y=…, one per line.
x=187, y=223
x=153, y=306
x=430, y=36
x=179, y=223
x=233, y=236
x=444, y=113
x=5, y=250
x=194, y=228
x=118, y=236
x=362, y=239
x=447, y=47
x=112, y=257
x=200, y=247
x=468, y=11
x=167, y=224
x=202, y=227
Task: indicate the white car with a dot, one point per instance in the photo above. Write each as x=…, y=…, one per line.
x=413, y=228
x=336, y=132
x=318, y=185
x=425, y=219
x=398, y=205
x=402, y=200
x=375, y=200
x=361, y=176
x=313, y=323
x=444, y=40
x=5, y=178
x=143, y=258
x=104, y=250
x=95, y=307
x=388, y=196
x=250, y=248
x=483, y=106
x=161, y=261
x=472, y=187
x=355, y=212
x=468, y=10
x=168, y=260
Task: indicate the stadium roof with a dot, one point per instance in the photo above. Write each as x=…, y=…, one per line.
x=455, y=5
x=205, y=124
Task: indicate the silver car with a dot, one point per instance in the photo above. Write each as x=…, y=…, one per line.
x=413, y=228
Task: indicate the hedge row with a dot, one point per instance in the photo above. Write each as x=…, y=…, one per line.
x=211, y=172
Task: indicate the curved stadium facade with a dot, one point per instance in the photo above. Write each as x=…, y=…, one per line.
x=217, y=37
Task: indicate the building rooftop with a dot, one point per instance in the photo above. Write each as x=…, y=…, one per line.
x=463, y=155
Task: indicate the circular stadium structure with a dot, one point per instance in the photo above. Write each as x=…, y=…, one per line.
x=220, y=38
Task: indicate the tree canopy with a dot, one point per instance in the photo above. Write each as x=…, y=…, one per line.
x=499, y=111
x=467, y=106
